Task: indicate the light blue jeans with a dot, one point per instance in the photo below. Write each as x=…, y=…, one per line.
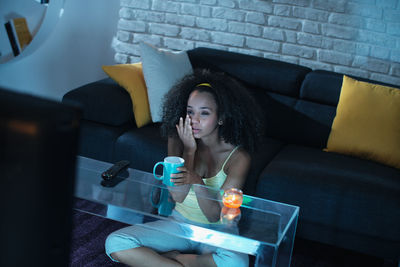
x=141, y=236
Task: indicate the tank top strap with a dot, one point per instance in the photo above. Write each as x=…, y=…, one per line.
x=229, y=156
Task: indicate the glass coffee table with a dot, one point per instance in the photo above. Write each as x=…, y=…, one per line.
x=262, y=228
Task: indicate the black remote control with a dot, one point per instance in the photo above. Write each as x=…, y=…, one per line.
x=113, y=171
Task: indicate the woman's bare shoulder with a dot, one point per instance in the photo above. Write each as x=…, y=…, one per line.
x=240, y=158
x=242, y=155
x=237, y=168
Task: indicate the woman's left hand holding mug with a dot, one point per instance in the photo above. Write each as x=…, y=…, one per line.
x=185, y=176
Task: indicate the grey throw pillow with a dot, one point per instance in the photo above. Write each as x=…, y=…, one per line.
x=162, y=69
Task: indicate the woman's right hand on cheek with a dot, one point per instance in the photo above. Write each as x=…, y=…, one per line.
x=185, y=133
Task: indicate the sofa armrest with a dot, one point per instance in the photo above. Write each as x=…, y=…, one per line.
x=103, y=101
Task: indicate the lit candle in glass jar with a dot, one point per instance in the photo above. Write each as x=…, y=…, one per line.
x=232, y=198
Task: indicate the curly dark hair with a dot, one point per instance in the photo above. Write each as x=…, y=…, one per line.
x=236, y=107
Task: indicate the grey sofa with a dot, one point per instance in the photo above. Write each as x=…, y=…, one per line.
x=344, y=201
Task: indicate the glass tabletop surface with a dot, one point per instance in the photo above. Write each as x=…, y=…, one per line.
x=138, y=197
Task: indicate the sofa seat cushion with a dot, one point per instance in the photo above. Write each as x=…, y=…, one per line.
x=335, y=190
x=143, y=147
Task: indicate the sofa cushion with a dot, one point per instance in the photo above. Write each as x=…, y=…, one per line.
x=103, y=101
x=367, y=122
x=335, y=191
x=143, y=147
x=322, y=87
x=130, y=77
x=296, y=121
x=162, y=69
x=257, y=72
x=264, y=153
x=97, y=140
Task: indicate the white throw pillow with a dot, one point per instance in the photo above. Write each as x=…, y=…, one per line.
x=162, y=69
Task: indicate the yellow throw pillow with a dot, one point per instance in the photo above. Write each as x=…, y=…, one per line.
x=367, y=122
x=130, y=77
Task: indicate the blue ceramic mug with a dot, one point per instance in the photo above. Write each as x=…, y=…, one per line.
x=170, y=165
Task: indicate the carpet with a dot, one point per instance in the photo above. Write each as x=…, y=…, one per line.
x=88, y=237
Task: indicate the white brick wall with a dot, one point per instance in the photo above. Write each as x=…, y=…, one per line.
x=356, y=37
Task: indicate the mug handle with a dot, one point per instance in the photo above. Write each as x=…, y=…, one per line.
x=154, y=171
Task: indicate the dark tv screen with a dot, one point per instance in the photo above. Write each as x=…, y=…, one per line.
x=38, y=146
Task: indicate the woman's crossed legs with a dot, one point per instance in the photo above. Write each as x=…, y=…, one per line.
x=139, y=245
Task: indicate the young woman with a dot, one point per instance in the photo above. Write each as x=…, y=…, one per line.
x=212, y=122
